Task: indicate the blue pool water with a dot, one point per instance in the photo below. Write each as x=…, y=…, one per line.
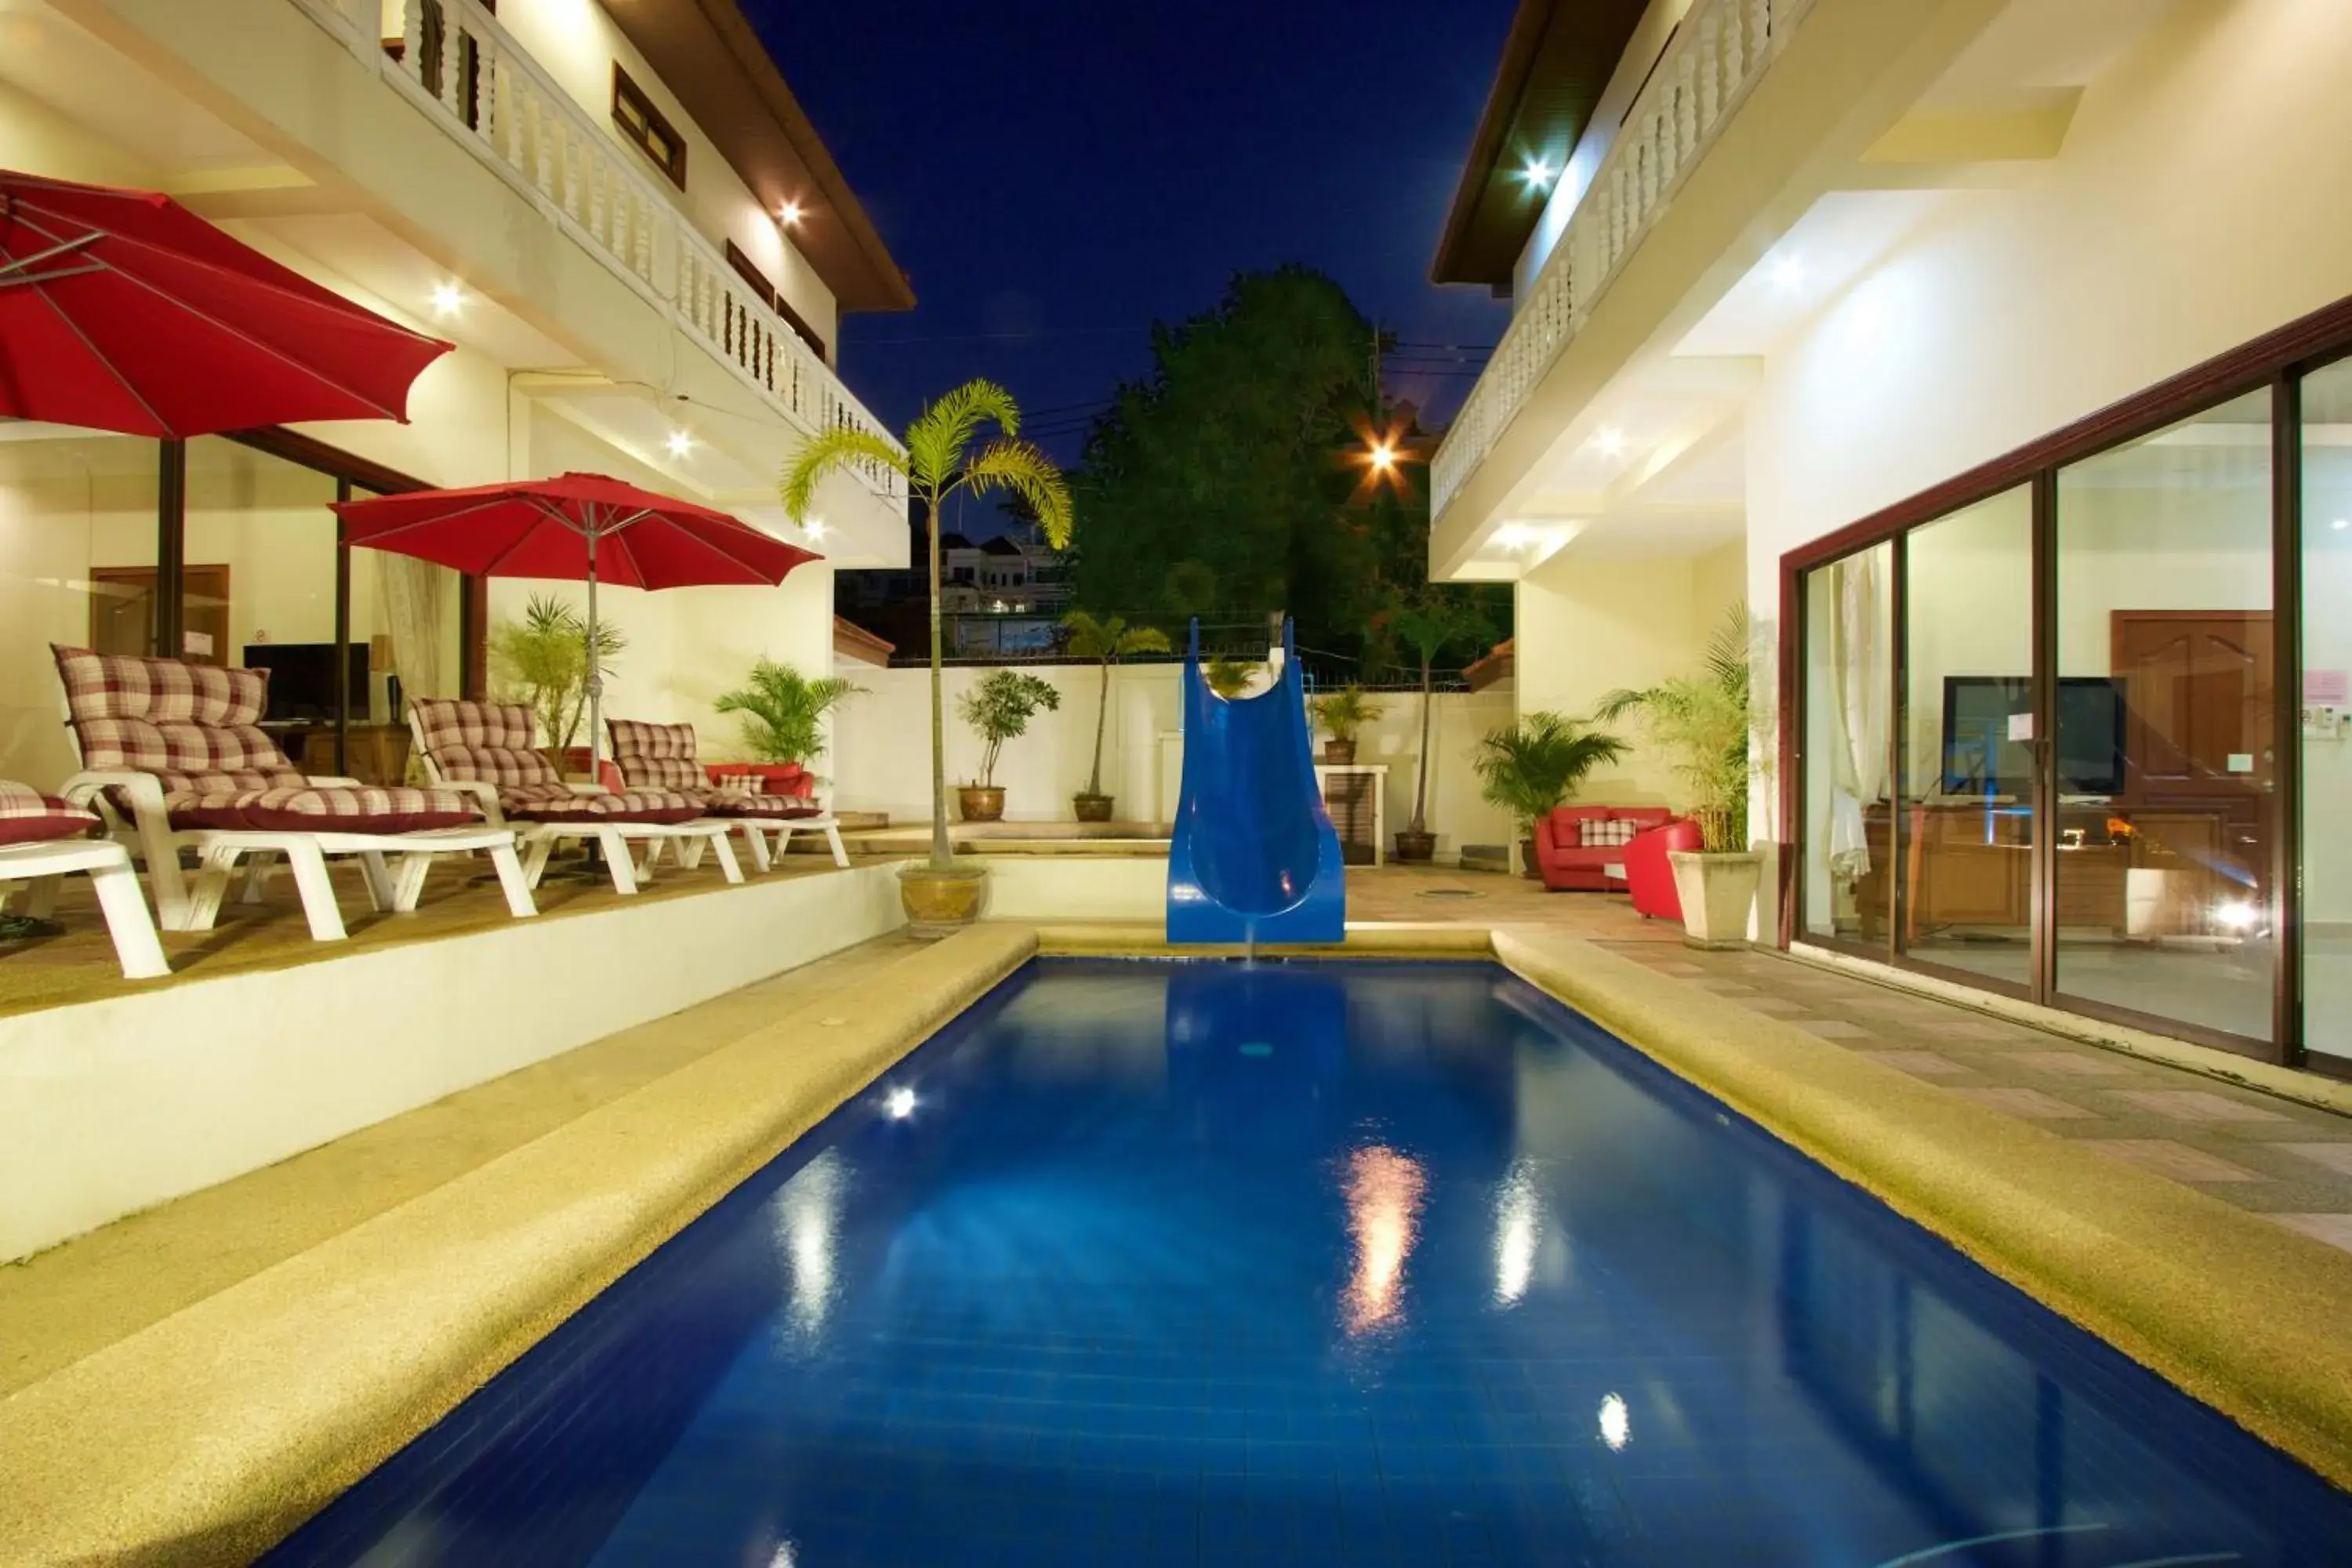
x=1150, y=1264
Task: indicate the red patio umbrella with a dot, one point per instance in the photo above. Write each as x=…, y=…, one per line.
x=573, y=526
x=123, y=310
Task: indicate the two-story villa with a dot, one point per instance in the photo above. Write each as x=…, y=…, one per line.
x=1992, y=350
x=617, y=210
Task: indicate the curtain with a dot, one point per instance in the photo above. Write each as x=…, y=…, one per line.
x=415, y=602
x=1862, y=666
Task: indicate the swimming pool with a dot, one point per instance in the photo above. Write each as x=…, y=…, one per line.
x=1145, y=1263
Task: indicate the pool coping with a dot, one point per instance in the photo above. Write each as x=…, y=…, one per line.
x=2242, y=1315
x=208, y=1435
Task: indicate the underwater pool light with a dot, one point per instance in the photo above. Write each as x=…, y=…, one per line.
x=899, y=1104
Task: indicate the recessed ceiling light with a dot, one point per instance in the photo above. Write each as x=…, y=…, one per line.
x=446, y=298
x=789, y=215
x=815, y=528
x=1789, y=271
x=1611, y=440
x=1539, y=173
x=2341, y=523
x=681, y=443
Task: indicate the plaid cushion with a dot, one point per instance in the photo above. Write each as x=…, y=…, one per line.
x=486, y=742
x=636, y=805
x=195, y=728
x=28, y=816
x=655, y=756
x=1594, y=835
x=322, y=808
x=736, y=802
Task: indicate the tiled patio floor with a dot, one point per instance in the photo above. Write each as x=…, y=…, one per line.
x=2290, y=1163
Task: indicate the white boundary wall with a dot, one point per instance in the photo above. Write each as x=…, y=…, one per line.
x=881, y=759
x=116, y=1106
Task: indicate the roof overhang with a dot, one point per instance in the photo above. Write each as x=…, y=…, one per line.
x=1556, y=63
x=707, y=52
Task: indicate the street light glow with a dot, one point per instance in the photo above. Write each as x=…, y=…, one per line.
x=1383, y=456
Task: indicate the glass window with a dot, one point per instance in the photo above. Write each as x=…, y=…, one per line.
x=2165, y=754
x=1966, y=821
x=2326, y=737
x=1849, y=689
x=76, y=567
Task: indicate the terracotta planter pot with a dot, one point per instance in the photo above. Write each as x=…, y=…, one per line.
x=1340, y=753
x=1716, y=891
x=1092, y=807
x=1415, y=849
x=979, y=803
x=940, y=903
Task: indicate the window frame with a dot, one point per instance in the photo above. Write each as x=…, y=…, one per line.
x=651, y=132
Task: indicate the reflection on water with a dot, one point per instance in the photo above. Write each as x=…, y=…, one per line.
x=1384, y=1190
x=1518, y=1228
x=808, y=1228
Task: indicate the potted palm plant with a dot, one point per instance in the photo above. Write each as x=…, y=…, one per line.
x=783, y=711
x=946, y=453
x=1107, y=641
x=1000, y=709
x=1425, y=623
x=1344, y=713
x=542, y=661
x=1703, y=722
x=1537, y=764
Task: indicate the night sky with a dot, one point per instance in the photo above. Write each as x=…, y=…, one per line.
x=1056, y=176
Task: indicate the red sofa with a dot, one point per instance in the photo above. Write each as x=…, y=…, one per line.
x=1649, y=877
x=1566, y=862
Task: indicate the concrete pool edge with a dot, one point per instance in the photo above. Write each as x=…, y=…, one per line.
x=2238, y=1313
x=208, y=1436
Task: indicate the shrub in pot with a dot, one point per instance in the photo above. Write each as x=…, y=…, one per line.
x=542, y=661
x=1343, y=715
x=944, y=454
x=999, y=710
x=1704, y=721
x=1107, y=641
x=783, y=711
x=1534, y=765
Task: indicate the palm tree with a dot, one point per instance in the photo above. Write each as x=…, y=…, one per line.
x=1425, y=623
x=1107, y=640
x=938, y=461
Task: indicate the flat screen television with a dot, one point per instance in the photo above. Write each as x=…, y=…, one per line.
x=303, y=678
x=1981, y=758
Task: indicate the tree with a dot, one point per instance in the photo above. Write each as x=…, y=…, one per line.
x=542, y=661
x=1109, y=641
x=1426, y=620
x=783, y=710
x=1219, y=486
x=940, y=459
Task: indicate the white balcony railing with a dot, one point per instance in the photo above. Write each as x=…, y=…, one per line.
x=1717, y=54
x=472, y=78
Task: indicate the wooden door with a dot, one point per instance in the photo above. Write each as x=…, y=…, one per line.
x=123, y=612
x=2199, y=697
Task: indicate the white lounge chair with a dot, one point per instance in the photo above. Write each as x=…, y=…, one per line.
x=43, y=839
x=662, y=757
x=484, y=750
x=174, y=759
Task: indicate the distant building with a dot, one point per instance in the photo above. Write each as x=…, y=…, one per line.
x=1004, y=594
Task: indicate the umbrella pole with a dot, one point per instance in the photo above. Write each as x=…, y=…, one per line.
x=595, y=668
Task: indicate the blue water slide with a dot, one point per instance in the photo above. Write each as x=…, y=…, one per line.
x=1253, y=859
